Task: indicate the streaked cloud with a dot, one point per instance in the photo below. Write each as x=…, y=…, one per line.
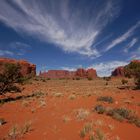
x=68, y=24
x=14, y=49
x=105, y=69
x=130, y=45
x=123, y=37
x=6, y=52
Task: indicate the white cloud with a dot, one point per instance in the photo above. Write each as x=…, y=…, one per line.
x=73, y=29
x=123, y=37
x=105, y=69
x=68, y=68
x=130, y=45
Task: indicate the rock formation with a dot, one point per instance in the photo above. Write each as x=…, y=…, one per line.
x=62, y=74
x=119, y=72
x=27, y=69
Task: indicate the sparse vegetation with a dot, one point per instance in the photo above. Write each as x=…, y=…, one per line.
x=26, y=128
x=86, y=129
x=100, y=135
x=119, y=114
x=18, y=132
x=105, y=99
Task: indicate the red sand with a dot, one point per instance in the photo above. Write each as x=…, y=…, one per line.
x=53, y=116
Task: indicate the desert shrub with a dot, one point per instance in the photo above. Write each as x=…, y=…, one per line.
x=99, y=109
x=77, y=78
x=105, y=99
x=9, y=77
x=122, y=112
x=107, y=78
x=90, y=78
x=134, y=119
x=119, y=114
x=124, y=81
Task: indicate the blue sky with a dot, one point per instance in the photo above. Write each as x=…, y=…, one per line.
x=68, y=34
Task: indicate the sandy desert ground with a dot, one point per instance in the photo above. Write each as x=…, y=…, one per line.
x=65, y=110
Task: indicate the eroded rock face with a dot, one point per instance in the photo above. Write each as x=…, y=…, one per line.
x=119, y=72
x=27, y=69
x=60, y=74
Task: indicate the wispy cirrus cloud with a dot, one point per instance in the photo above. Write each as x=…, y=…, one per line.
x=71, y=25
x=123, y=37
x=6, y=52
x=130, y=45
x=14, y=48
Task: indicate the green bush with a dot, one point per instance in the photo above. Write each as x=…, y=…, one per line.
x=9, y=77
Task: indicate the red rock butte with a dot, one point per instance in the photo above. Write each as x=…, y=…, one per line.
x=27, y=69
x=120, y=72
x=79, y=73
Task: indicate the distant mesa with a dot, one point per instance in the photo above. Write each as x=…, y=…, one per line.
x=27, y=69
x=60, y=74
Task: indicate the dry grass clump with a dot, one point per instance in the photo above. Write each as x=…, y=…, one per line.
x=18, y=132
x=82, y=114
x=88, y=127
x=97, y=134
x=58, y=94
x=66, y=119
x=72, y=97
